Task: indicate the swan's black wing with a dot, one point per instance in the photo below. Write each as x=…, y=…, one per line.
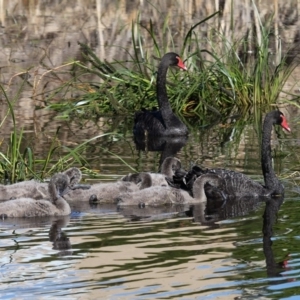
x=240, y=185
x=149, y=121
x=236, y=184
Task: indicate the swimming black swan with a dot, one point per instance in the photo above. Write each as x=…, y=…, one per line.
x=238, y=184
x=29, y=207
x=166, y=195
x=162, y=122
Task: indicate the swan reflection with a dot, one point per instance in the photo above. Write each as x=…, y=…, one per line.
x=168, y=146
x=273, y=205
x=59, y=239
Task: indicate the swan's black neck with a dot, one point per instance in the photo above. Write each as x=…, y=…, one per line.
x=271, y=180
x=269, y=219
x=162, y=97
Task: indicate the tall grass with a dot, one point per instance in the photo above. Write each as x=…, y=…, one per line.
x=221, y=80
x=18, y=161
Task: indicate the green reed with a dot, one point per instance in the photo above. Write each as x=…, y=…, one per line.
x=18, y=160
x=222, y=79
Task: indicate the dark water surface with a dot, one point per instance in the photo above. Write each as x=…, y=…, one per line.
x=169, y=253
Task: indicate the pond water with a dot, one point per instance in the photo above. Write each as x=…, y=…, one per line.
x=100, y=251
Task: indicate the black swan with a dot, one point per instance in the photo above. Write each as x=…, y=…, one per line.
x=162, y=122
x=237, y=184
x=28, y=207
x=162, y=195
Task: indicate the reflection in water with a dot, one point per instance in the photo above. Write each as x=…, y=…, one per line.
x=168, y=146
x=269, y=218
x=59, y=239
x=151, y=253
x=34, y=222
x=28, y=225
x=234, y=207
x=210, y=213
x=135, y=213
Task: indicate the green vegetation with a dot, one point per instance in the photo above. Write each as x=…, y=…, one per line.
x=17, y=164
x=220, y=81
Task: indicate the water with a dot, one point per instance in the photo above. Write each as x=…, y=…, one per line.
x=114, y=256
x=169, y=253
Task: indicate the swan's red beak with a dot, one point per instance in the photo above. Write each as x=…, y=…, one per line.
x=180, y=64
x=284, y=124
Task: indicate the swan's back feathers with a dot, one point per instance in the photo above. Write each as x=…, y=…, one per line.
x=28, y=207
x=236, y=184
x=152, y=196
x=240, y=185
x=159, y=196
x=107, y=192
x=29, y=188
x=150, y=122
x=38, y=190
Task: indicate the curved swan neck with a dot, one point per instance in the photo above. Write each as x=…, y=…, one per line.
x=161, y=90
x=169, y=165
x=198, y=189
x=74, y=175
x=271, y=181
x=58, y=186
x=146, y=180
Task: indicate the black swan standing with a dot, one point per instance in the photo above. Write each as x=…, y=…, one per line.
x=162, y=122
x=238, y=184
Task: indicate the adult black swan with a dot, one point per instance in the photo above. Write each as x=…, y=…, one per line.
x=162, y=122
x=238, y=184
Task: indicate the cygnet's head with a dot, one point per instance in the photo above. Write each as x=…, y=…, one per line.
x=74, y=174
x=58, y=185
x=169, y=166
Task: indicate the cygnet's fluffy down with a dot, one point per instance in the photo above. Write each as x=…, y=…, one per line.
x=143, y=181
x=103, y=192
x=165, y=195
x=153, y=196
x=29, y=207
x=34, y=189
x=28, y=189
x=107, y=192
